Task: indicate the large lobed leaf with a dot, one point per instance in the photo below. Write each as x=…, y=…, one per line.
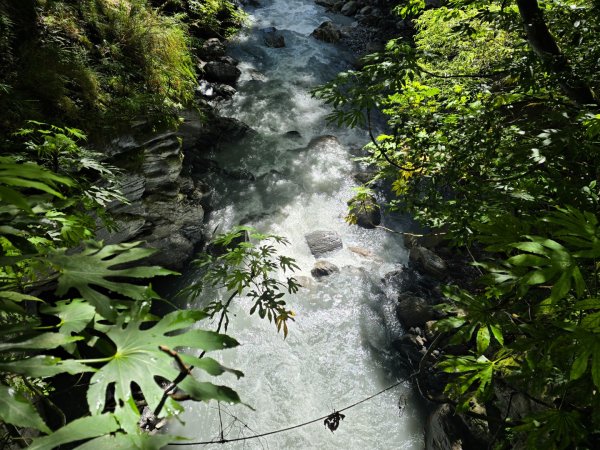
x=96, y=267
x=18, y=411
x=138, y=359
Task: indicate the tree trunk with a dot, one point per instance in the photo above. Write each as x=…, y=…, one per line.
x=545, y=46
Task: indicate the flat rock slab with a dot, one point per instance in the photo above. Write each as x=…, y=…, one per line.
x=323, y=241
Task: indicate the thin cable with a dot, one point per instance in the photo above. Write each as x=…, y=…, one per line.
x=310, y=422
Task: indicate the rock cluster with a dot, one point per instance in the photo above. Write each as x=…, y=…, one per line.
x=219, y=72
x=165, y=209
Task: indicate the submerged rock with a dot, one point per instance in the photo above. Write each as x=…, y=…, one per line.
x=273, y=38
x=323, y=269
x=323, y=241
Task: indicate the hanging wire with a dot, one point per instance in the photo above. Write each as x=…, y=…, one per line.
x=328, y=417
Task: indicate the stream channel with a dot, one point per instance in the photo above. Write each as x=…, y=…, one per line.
x=338, y=350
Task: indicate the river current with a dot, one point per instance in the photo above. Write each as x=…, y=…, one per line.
x=338, y=350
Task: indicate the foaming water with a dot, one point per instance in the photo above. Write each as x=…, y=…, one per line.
x=337, y=352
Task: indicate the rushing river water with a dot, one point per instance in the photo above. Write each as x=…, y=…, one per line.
x=338, y=349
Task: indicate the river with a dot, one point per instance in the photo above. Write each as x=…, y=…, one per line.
x=338, y=350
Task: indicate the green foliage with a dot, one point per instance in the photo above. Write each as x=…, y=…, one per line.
x=491, y=132
x=95, y=323
x=247, y=268
x=102, y=62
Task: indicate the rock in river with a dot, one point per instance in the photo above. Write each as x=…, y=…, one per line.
x=323, y=241
x=323, y=269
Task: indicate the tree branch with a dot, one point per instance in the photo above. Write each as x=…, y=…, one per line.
x=544, y=45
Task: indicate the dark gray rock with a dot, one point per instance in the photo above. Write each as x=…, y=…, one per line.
x=293, y=135
x=441, y=430
x=212, y=49
x=162, y=164
x=323, y=241
x=367, y=212
x=413, y=311
x=272, y=37
x=428, y=262
x=327, y=32
x=229, y=60
x=349, y=8
x=323, y=269
x=325, y=3
x=225, y=91
x=221, y=72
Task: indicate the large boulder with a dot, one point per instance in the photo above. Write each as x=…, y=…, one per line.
x=349, y=8
x=428, y=262
x=327, y=32
x=273, y=38
x=413, y=311
x=323, y=268
x=221, y=72
x=366, y=212
x=323, y=241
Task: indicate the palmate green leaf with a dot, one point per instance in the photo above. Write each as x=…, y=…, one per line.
x=44, y=366
x=138, y=441
x=74, y=316
x=16, y=410
x=209, y=365
x=97, y=266
x=483, y=339
x=78, y=430
x=40, y=342
x=138, y=359
x=30, y=175
x=580, y=364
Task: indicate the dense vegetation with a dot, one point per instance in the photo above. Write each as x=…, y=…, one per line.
x=90, y=354
x=493, y=120
x=96, y=63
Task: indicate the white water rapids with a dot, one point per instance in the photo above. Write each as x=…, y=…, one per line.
x=338, y=350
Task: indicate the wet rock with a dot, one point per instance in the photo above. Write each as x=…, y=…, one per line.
x=410, y=346
x=293, y=135
x=325, y=3
x=413, y=311
x=305, y=282
x=224, y=90
x=349, y=8
x=240, y=174
x=363, y=177
x=323, y=269
x=366, y=212
x=427, y=261
x=212, y=49
x=229, y=60
x=221, y=72
x=229, y=129
x=273, y=38
x=321, y=143
x=323, y=241
x=441, y=430
x=327, y=32
x=360, y=251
